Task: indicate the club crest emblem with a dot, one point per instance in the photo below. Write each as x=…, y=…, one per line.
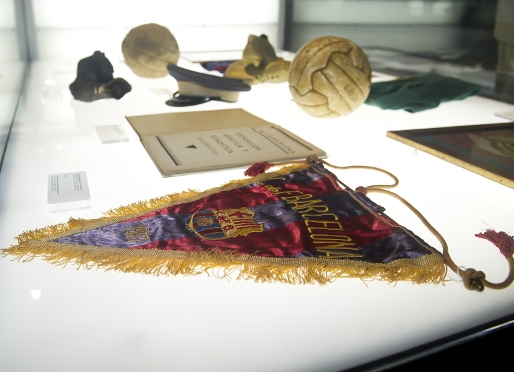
x=223, y=224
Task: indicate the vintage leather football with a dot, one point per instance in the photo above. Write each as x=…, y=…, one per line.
x=330, y=77
x=148, y=49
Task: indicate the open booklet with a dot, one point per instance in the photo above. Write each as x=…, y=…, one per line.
x=187, y=142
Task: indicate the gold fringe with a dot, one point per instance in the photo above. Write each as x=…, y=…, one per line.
x=37, y=243
x=427, y=269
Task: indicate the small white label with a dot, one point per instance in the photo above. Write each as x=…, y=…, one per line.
x=68, y=191
x=111, y=133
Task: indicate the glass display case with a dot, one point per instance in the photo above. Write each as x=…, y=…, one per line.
x=13, y=64
x=63, y=317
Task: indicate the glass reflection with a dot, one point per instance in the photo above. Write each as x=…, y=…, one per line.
x=472, y=40
x=35, y=294
x=13, y=63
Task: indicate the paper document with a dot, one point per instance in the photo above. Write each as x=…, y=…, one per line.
x=224, y=142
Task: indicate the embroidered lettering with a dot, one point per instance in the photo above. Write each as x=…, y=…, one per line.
x=137, y=234
x=338, y=255
x=324, y=232
x=295, y=198
x=323, y=225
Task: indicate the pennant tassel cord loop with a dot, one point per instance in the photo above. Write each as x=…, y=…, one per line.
x=472, y=279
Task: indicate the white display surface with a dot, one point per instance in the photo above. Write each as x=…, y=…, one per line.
x=63, y=319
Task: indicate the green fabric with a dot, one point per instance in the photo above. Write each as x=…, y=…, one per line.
x=419, y=93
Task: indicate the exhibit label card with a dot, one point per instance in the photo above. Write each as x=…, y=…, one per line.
x=68, y=192
x=111, y=133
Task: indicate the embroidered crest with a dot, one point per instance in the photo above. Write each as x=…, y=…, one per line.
x=224, y=223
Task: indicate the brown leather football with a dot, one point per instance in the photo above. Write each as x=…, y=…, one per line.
x=148, y=49
x=330, y=77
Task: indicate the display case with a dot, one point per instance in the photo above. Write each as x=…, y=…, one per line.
x=13, y=65
x=64, y=317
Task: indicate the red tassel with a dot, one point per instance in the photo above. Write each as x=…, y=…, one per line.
x=500, y=239
x=257, y=169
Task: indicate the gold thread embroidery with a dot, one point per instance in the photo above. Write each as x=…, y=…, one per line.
x=137, y=234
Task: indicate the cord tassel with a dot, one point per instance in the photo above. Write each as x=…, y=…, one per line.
x=502, y=240
x=258, y=168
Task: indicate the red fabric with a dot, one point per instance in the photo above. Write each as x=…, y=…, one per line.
x=243, y=197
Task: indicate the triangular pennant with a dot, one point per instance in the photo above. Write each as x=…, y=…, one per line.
x=296, y=225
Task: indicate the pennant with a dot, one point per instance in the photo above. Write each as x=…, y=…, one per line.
x=295, y=225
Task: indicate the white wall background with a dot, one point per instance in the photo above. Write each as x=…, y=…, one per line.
x=8, y=38
x=73, y=29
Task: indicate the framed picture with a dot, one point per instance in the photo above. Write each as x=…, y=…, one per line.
x=487, y=150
